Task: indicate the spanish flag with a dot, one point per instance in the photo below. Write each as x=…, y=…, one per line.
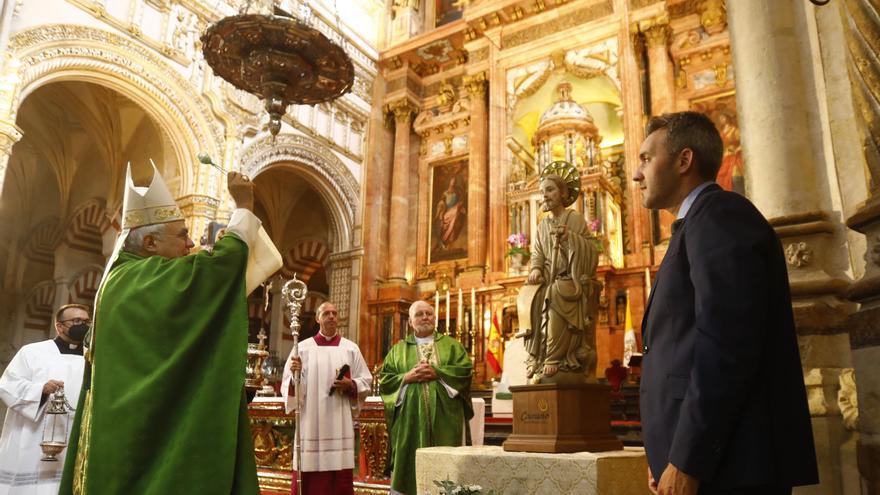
x=495, y=347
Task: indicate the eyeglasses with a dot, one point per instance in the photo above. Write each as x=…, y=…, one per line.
x=77, y=321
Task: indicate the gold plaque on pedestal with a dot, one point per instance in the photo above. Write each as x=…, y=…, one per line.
x=557, y=418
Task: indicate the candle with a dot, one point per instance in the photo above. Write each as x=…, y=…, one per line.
x=447, y=312
x=436, y=308
x=460, y=314
x=647, y=282
x=473, y=308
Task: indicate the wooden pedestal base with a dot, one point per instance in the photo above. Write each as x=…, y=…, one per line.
x=556, y=418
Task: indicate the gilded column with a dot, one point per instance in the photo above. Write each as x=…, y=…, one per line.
x=862, y=28
x=477, y=171
x=657, y=34
x=198, y=210
x=784, y=163
x=498, y=173
x=9, y=132
x=637, y=219
x=404, y=110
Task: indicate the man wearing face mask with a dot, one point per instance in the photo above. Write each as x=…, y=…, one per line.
x=36, y=372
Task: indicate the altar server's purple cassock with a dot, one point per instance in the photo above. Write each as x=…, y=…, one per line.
x=326, y=423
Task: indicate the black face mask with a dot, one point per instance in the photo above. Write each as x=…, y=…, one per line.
x=78, y=332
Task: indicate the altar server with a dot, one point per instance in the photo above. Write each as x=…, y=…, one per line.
x=334, y=381
x=38, y=371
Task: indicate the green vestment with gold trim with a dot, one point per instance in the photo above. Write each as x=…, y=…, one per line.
x=163, y=409
x=426, y=416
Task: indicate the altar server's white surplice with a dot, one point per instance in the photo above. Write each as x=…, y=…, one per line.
x=326, y=421
x=21, y=387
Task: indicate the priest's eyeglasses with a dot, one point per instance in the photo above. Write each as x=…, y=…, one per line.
x=77, y=321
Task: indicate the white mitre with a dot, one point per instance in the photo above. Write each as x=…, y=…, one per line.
x=147, y=205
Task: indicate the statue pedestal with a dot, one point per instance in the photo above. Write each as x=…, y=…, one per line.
x=562, y=418
x=623, y=472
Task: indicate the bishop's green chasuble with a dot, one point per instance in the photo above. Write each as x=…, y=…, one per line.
x=163, y=409
x=426, y=416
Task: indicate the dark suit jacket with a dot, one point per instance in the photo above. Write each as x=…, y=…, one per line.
x=722, y=391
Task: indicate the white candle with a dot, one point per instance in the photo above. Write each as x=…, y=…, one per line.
x=473, y=309
x=647, y=283
x=447, y=312
x=460, y=314
x=436, y=308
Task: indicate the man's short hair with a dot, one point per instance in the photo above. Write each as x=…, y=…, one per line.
x=412, y=306
x=320, y=311
x=60, y=313
x=695, y=131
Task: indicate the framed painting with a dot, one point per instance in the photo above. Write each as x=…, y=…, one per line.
x=722, y=110
x=448, y=212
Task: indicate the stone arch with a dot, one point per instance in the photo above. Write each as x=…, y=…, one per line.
x=39, y=307
x=57, y=52
x=307, y=257
x=323, y=170
x=42, y=241
x=84, y=285
x=87, y=226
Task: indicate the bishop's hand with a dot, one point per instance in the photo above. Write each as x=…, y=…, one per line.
x=241, y=189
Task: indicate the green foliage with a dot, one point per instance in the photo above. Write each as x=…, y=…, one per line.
x=449, y=487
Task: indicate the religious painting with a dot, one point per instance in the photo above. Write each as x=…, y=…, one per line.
x=722, y=110
x=446, y=11
x=448, y=221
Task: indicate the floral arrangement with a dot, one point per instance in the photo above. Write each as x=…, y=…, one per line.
x=517, y=244
x=449, y=487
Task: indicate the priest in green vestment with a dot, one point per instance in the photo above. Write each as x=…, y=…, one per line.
x=163, y=408
x=425, y=384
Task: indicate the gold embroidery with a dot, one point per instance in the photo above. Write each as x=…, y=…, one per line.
x=427, y=354
x=152, y=215
x=82, y=452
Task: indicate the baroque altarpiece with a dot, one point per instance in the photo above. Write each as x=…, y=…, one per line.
x=475, y=107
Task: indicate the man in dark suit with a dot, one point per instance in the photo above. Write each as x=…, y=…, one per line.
x=724, y=408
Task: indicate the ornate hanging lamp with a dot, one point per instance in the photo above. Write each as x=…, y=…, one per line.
x=278, y=58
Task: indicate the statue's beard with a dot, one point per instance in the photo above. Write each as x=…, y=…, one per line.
x=549, y=205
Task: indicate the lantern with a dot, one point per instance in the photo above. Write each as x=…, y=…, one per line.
x=56, y=427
